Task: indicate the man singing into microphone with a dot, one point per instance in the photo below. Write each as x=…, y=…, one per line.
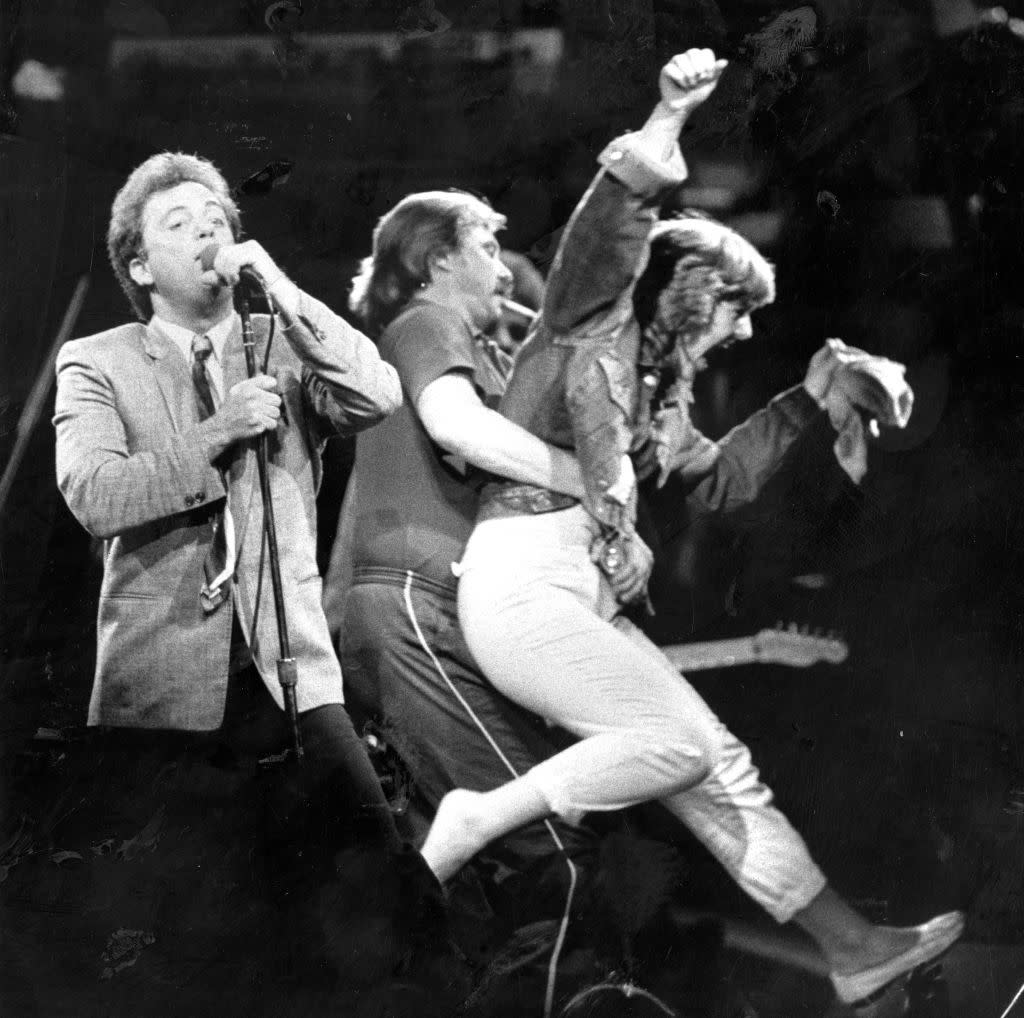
x=155, y=455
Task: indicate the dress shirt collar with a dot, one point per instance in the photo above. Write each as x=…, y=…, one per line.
x=182, y=337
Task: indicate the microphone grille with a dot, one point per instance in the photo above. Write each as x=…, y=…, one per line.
x=207, y=256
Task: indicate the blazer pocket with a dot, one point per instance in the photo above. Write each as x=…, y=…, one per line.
x=143, y=611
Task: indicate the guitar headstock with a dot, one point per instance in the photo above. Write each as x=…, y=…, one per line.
x=799, y=646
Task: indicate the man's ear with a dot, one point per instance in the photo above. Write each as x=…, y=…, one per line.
x=139, y=271
x=438, y=261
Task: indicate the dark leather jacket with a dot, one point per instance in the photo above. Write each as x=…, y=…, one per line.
x=575, y=383
x=575, y=380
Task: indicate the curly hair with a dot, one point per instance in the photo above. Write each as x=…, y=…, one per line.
x=405, y=242
x=695, y=264
x=124, y=235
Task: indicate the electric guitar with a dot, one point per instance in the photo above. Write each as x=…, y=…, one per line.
x=792, y=646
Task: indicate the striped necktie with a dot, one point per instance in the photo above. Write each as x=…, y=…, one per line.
x=201, y=350
x=219, y=564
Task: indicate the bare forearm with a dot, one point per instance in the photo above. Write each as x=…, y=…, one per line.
x=605, y=244
x=493, y=443
x=658, y=138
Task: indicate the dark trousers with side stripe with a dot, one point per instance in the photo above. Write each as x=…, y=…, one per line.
x=407, y=666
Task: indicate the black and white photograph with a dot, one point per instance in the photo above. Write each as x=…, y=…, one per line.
x=511, y=509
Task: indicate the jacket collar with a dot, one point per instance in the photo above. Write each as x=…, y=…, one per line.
x=182, y=337
x=154, y=342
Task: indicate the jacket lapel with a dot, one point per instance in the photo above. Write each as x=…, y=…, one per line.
x=172, y=377
x=234, y=358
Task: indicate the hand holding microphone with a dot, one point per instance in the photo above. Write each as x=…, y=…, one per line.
x=253, y=406
x=228, y=264
x=250, y=408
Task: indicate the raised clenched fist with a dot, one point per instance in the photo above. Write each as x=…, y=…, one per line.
x=689, y=78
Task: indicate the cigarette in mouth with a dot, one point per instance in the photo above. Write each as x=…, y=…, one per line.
x=514, y=308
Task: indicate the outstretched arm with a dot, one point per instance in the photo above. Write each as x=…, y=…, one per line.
x=605, y=242
x=754, y=451
x=603, y=253
x=685, y=82
x=732, y=473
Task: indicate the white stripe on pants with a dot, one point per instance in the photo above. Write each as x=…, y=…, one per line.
x=540, y=621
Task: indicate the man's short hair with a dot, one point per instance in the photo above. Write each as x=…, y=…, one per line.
x=124, y=236
x=697, y=263
x=407, y=239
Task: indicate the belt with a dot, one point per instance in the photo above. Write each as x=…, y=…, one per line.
x=521, y=500
x=399, y=577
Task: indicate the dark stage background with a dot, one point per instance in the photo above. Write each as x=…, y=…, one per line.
x=871, y=148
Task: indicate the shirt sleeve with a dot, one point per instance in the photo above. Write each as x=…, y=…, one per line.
x=589, y=308
x=753, y=452
x=424, y=344
x=604, y=247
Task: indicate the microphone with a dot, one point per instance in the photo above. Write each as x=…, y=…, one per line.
x=209, y=254
x=253, y=280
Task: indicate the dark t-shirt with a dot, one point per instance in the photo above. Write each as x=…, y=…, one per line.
x=415, y=504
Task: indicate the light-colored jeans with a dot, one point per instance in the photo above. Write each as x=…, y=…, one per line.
x=541, y=622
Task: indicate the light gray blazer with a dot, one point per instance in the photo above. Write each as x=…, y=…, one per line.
x=132, y=467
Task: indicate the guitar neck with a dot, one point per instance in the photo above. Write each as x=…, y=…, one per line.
x=695, y=657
